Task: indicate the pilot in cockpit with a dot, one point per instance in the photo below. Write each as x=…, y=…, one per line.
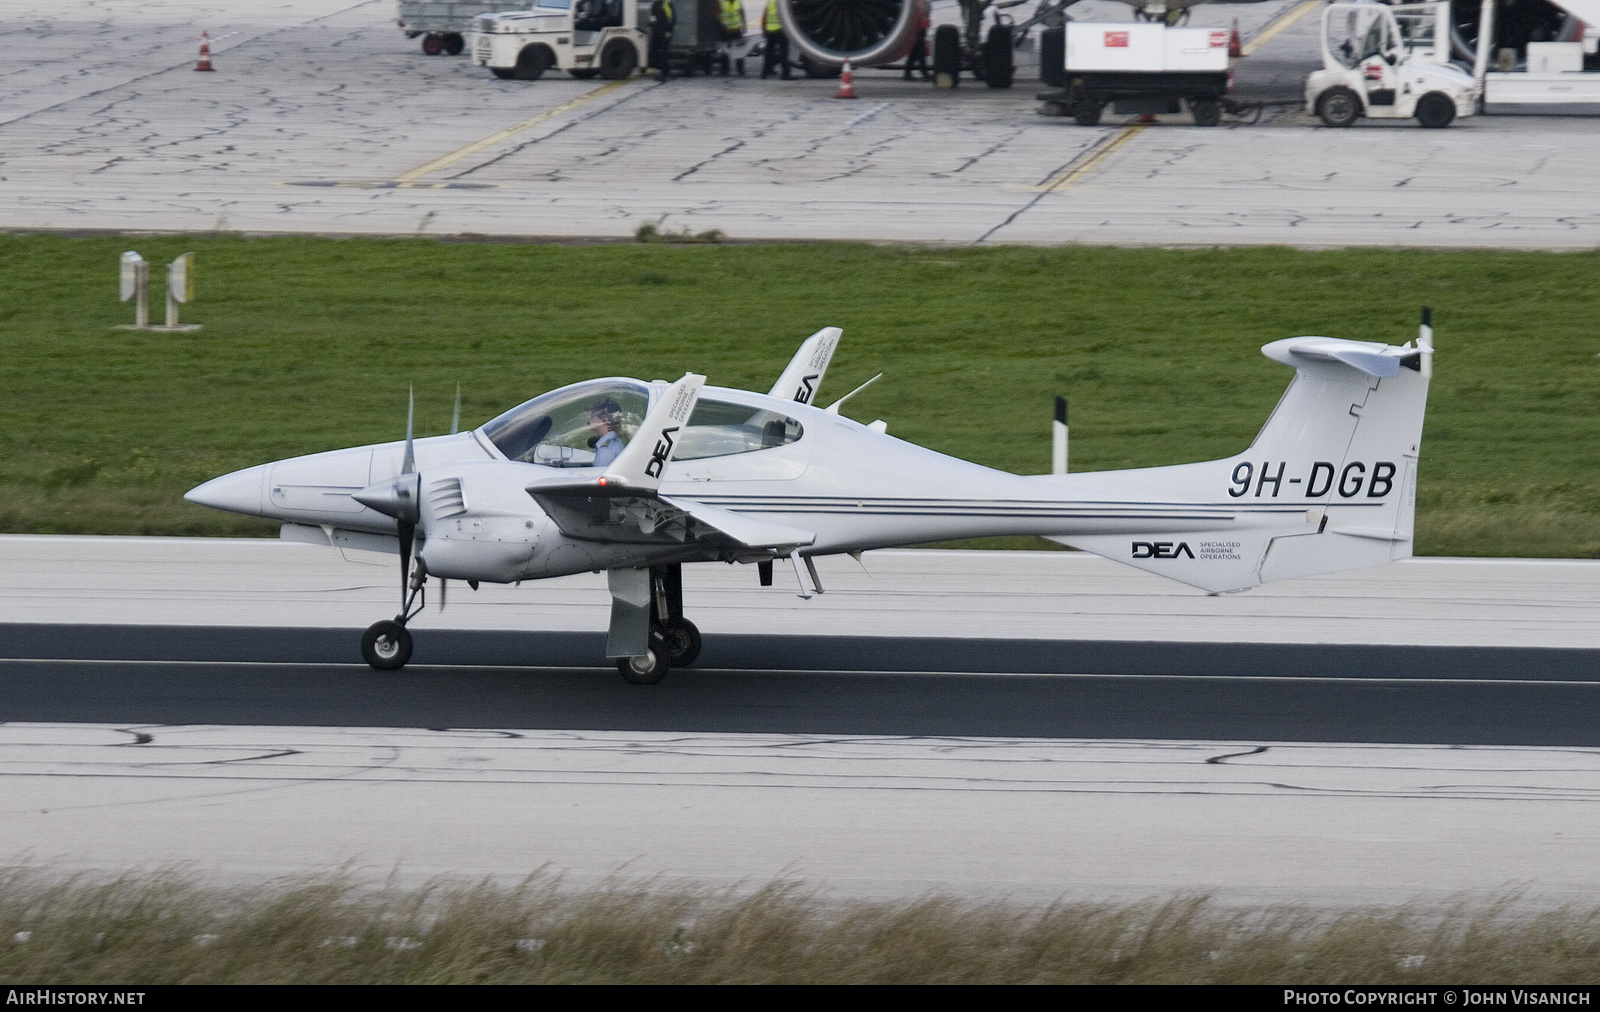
x=605, y=420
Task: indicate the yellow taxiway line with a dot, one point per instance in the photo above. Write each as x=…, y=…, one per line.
x=444, y=161
x=1270, y=32
x=1072, y=173
x=1076, y=171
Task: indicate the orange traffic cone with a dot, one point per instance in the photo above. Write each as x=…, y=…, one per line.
x=1235, y=48
x=205, y=53
x=847, y=83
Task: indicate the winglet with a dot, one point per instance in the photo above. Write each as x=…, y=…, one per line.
x=801, y=379
x=640, y=464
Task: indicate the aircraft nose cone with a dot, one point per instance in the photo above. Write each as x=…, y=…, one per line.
x=239, y=492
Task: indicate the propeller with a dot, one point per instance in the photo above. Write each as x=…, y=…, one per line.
x=400, y=497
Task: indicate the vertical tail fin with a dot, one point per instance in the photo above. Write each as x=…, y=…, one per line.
x=803, y=376
x=1329, y=483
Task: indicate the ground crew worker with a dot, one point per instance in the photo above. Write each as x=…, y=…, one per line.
x=918, y=57
x=661, y=24
x=732, y=19
x=776, y=51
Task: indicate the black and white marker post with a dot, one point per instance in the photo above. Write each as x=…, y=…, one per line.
x=1058, y=447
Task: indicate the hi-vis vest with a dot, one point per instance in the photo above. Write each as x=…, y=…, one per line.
x=772, y=22
x=733, y=15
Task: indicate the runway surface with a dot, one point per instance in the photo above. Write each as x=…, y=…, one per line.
x=1254, y=782
x=855, y=816
x=322, y=117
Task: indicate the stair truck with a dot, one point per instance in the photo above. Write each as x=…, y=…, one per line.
x=1536, y=56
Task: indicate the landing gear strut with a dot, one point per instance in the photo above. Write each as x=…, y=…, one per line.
x=669, y=640
x=386, y=645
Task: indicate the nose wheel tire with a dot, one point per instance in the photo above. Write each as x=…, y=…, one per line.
x=682, y=641
x=386, y=645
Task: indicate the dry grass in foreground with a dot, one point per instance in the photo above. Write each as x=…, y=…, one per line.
x=167, y=929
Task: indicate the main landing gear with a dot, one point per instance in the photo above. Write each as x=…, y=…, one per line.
x=649, y=635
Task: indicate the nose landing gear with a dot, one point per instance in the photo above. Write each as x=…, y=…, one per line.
x=386, y=645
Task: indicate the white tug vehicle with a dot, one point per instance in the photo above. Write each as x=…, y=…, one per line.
x=1389, y=63
x=585, y=38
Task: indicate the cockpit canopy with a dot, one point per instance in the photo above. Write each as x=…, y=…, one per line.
x=565, y=427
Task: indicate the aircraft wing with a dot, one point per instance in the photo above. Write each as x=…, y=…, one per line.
x=590, y=511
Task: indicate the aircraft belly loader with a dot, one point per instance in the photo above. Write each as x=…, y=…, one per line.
x=1141, y=68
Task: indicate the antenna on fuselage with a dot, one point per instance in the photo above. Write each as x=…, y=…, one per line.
x=833, y=409
x=455, y=417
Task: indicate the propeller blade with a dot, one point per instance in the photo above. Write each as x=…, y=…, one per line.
x=410, y=462
x=408, y=534
x=444, y=585
x=455, y=418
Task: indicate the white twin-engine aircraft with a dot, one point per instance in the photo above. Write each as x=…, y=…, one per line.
x=639, y=478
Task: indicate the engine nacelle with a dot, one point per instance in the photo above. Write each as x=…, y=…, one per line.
x=865, y=32
x=478, y=522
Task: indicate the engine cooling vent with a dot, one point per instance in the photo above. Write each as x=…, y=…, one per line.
x=445, y=498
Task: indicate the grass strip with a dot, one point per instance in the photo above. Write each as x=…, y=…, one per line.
x=162, y=929
x=310, y=344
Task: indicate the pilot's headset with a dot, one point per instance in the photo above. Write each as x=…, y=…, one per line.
x=609, y=412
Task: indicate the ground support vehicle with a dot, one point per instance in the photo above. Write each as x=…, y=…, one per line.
x=585, y=38
x=1141, y=68
x=1549, y=65
x=443, y=24
x=1389, y=63
x=604, y=38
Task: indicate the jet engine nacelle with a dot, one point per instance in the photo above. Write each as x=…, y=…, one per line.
x=865, y=32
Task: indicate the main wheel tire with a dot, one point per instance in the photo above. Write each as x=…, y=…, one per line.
x=584, y=74
x=1435, y=110
x=454, y=43
x=1338, y=107
x=649, y=669
x=1087, y=112
x=682, y=641
x=998, y=67
x=503, y=73
x=386, y=645
x=532, y=62
x=1207, y=111
x=432, y=44
x=618, y=59
x=946, y=56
